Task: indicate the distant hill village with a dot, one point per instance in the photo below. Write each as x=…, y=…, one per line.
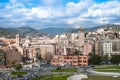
x=65, y=49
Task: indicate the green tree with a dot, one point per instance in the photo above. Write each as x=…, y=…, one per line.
x=77, y=52
x=95, y=59
x=18, y=66
x=12, y=64
x=105, y=58
x=115, y=59
x=59, y=68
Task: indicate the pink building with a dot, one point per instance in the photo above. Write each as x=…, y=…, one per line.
x=73, y=60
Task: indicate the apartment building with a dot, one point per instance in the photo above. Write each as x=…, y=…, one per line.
x=87, y=49
x=81, y=37
x=107, y=48
x=2, y=59
x=73, y=60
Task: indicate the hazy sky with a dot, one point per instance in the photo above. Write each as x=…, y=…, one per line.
x=58, y=13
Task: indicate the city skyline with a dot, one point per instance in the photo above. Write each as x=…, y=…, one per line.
x=58, y=13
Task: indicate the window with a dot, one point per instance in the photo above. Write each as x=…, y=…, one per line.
x=64, y=57
x=74, y=61
x=80, y=61
x=84, y=61
x=67, y=57
x=74, y=58
x=79, y=57
x=84, y=65
x=80, y=64
x=53, y=61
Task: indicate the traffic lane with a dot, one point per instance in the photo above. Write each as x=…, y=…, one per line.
x=91, y=72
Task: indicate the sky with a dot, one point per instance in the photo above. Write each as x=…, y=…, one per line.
x=58, y=13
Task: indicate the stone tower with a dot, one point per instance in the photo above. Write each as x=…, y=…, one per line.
x=18, y=40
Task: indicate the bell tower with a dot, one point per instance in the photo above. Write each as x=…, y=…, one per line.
x=18, y=40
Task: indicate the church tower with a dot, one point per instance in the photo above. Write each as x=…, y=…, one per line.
x=18, y=40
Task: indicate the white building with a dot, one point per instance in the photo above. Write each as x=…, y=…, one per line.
x=100, y=30
x=107, y=48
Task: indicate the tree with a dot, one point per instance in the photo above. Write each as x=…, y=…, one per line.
x=115, y=59
x=105, y=59
x=59, y=68
x=77, y=52
x=12, y=64
x=18, y=66
x=95, y=59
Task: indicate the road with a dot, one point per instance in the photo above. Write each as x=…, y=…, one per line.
x=89, y=71
x=45, y=71
x=31, y=73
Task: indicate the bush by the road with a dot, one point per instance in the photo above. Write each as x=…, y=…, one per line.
x=18, y=73
x=65, y=70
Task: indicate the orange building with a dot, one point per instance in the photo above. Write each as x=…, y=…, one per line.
x=73, y=60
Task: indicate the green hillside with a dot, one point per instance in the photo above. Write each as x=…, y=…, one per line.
x=6, y=33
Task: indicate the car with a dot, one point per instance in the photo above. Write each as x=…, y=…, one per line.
x=92, y=66
x=25, y=78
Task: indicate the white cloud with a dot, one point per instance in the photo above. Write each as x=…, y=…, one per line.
x=40, y=13
x=104, y=9
x=84, y=13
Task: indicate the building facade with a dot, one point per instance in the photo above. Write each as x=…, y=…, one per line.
x=2, y=59
x=73, y=60
x=107, y=48
x=87, y=49
x=13, y=56
x=81, y=37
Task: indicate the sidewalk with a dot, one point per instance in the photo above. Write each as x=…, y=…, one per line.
x=77, y=77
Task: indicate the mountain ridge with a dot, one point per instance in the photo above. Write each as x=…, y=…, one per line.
x=54, y=31
x=24, y=31
x=6, y=33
